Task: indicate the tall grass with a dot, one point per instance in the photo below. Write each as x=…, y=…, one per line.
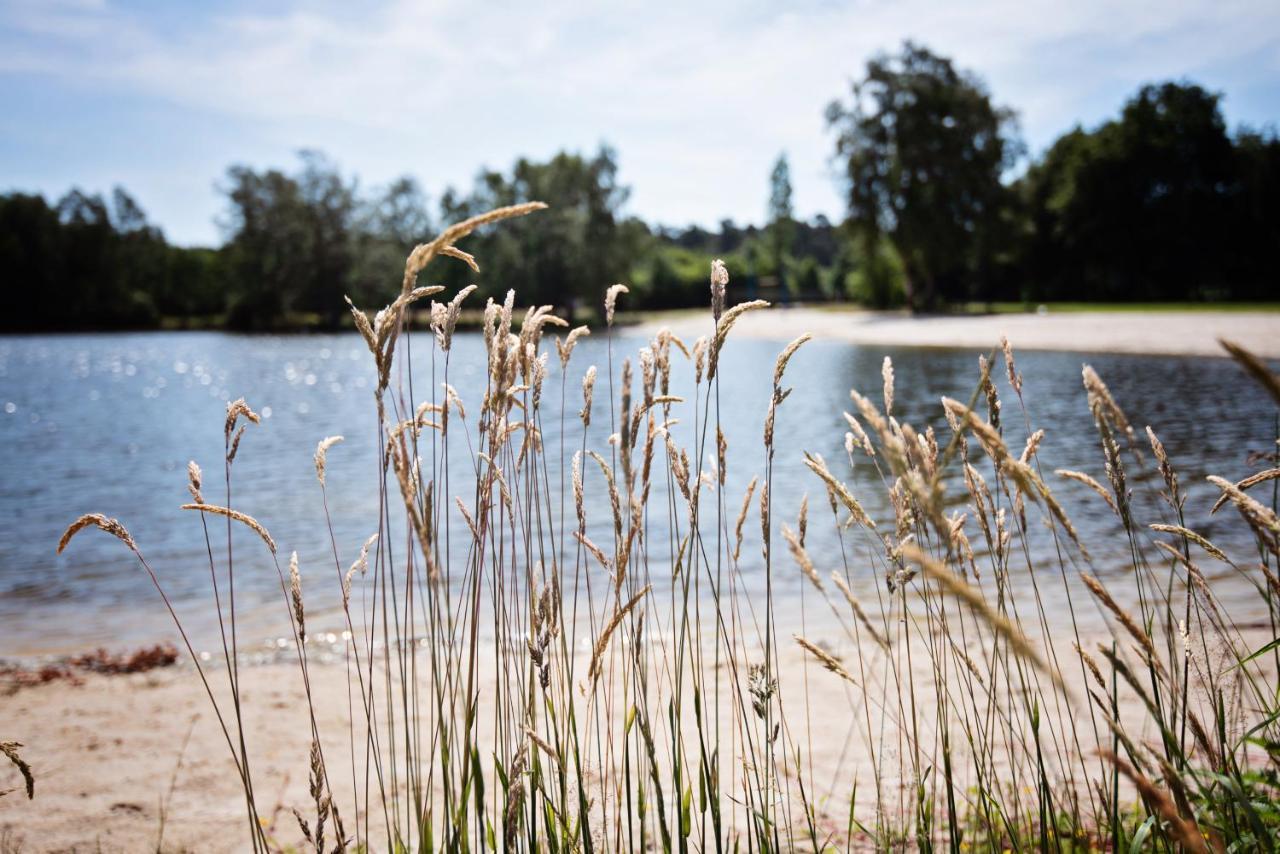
x=586, y=669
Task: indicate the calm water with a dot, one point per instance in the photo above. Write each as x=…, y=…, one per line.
x=108, y=422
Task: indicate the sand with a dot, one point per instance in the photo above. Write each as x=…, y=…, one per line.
x=1179, y=333
x=106, y=753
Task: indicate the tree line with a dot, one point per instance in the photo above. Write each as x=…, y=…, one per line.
x=1162, y=202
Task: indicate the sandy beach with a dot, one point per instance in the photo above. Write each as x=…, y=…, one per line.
x=112, y=754
x=1175, y=333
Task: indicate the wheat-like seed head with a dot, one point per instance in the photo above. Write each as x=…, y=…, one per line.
x=295, y=594
x=588, y=391
x=111, y=526
x=802, y=558
x=1033, y=444
x=565, y=345
x=1131, y=626
x=858, y=611
x=1255, y=367
x=236, y=409
x=863, y=440
x=723, y=326
x=611, y=301
x=194, y=481
x=951, y=583
x=742, y=517
x=424, y=252
x=818, y=467
x=1198, y=539
x=465, y=257
x=1015, y=378
x=360, y=567
x=826, y=659
x=719, y=281
x=602, y=642
x=1248, y=483
x=1088, y=481
x=1100, y=399
x=322, y=451
x=886, y=373
x=242, y=518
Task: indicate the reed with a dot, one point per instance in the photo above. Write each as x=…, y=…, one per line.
x=591, y=666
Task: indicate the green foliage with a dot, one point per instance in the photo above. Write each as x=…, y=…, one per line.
x=1157, y=204
x=85, y=263
x=566, y=254
x=878, y=278
x=1160, y=204
x=782, y=225
x=923, y=152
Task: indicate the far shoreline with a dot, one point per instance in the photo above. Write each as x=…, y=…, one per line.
x=1173, y=329
x=1168, y=332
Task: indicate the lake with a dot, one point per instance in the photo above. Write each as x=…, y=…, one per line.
x=107, y=422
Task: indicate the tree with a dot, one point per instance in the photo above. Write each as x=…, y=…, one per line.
x=1146, y=206
x=781, y=225
x=561, y=256
x=291, y=242
x=923, y=152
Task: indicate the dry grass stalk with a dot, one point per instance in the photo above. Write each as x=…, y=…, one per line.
x=952, y=584
x=826, y=659
x=858, y=610
x=194, y=481
x=1131, y=626
x=719, y=281
x=424, y=252
x=242, y=518
x=1166, y=468
x=742, y=517
x=1248, y=483
x=1081, y=477
x=886, y=373
x=723, y=325
x=10, y=749
x=236, y=409
x=295, y=595
x=1193, y=537
x=359, y=567
x=111, y=526
x=855, y=426
x=818, y=467
x=322, y=451
x=1261, y=517
x=444, y=323
x=565, y=345
x=1255, y=367
x=611, y=301
x=802, y=557
x=1185, y=832
x=602, y=642
x=1100, y=399
x=1015, y=378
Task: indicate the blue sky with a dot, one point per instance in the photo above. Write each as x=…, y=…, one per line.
x=698, y=98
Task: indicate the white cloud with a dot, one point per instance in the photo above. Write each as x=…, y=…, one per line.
x=698, y=98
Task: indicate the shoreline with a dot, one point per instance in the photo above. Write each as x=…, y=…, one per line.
x=1156, y=333
x=1113, y=330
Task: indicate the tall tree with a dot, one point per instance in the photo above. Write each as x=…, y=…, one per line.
x=781, y=215
x=1140, y=208
x=923, y=151
x=565, y=255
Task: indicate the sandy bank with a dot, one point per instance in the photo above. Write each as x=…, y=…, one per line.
x=106, y=752
x=1184, y=333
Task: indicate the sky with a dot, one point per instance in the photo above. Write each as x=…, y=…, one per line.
x=698, y=98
